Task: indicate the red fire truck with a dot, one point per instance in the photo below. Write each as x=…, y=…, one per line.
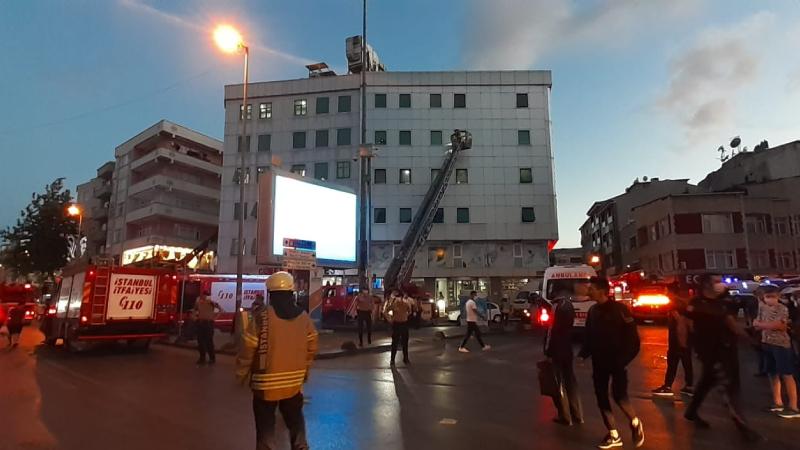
x=103, y=303
x=222, y=290
x=18, y=295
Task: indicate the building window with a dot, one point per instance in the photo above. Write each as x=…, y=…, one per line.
x=462, y=176
x=344, y=103
x=380, y=176
x=405, y=137
x=436, y=100
x=253, y=211
x=237, y=175
x=299, y=139
x=528, y=215
x=462, y=215
x=522, y=100
x=756, y=225
x=235, y=247
x=249, y=111
x=380, y=215
x=663, y=227
x=523, y=137
x=380, y=137
x=323, y=106
x=380, y=100
x=785, y=260
x=434, y=174
x=782, y=225
x=321, y=138
x=299, y=169
x=759, y=259
x=717, y=223
x=246, y=146
x=439, y=216
x=405, y=215
x=237, y=210
x=265, y=111
x=264, y=142
x=343, y=136
x=459, y=100
x=405, y=100
x=405, y=176
x=300, y=107
x=526, y=175
x=720, y=259
x=342, y=169
x=436, y=137
x=321, y=171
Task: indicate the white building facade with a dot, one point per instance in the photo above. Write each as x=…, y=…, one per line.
x=499, y=213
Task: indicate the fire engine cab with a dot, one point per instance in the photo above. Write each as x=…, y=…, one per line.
x=104, y=303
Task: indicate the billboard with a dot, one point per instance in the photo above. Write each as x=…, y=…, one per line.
x=294, y=207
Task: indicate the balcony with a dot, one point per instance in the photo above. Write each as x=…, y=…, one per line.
x=170, y=183
x=103, y=192
x=173, y=212
x=99, y=213
x=150, y=161
x=153, y=239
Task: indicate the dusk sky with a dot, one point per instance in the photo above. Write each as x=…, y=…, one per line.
x=640, y=88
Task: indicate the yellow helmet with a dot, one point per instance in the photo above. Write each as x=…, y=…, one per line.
x=280, y=281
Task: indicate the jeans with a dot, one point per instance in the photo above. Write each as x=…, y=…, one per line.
x=472, y=328
x=568, y=404
x=675, y=355
x=400, y=337
x=292, y=412
x=364, y=318
x=205, y=340
x=721, y=368
x=617, y=374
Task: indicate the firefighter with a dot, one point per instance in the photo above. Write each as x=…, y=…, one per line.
x=204, y=313
x=278, y=346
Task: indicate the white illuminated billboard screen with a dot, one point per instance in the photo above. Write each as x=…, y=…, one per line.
x=308, y=211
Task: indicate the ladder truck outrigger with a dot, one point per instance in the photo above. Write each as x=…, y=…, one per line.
x=399, y=271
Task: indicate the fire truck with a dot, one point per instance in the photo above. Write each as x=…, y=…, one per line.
x=98, y=303
x=18, y=295
x=222, y=290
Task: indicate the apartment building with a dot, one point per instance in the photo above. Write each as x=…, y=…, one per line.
x=94, y=198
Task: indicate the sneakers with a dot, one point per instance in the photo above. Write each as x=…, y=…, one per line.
x=775, y=408
x=463, y=350
x=487, y=348
x=638, y=433
x=789, y=414
x=663, y=391
x=688, y=391
x=610, y=442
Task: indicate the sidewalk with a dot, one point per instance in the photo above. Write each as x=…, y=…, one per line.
x=335, y=344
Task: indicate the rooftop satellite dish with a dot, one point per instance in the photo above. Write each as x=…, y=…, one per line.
x=736, y=142
x=644, y=179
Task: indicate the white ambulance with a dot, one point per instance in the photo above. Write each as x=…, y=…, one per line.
x=569, y=281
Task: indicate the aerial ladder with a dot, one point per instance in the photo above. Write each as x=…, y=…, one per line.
x=399, y=271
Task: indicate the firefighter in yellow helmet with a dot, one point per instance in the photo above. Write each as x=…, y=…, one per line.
x=278, y=346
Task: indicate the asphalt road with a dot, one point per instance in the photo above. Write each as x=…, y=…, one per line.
x=113, y=399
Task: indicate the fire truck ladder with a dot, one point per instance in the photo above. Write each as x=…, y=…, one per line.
x=102, y=280
x=402, y=264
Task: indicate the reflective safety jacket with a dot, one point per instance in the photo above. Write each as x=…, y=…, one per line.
x=275, y=353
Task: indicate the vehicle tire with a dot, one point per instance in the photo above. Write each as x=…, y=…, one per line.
x=497, y=318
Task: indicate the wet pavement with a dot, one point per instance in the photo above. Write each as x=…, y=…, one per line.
x=115, y=399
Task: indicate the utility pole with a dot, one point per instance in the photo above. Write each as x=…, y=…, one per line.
x=364, y=154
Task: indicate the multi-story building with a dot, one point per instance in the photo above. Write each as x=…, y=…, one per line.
x=499, y=214
x=608, y=228
x=568, y=256
x=94, y=199
x=166, y=192
x=727, y=232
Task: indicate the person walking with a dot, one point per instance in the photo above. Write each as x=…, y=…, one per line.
x=472, y=324
x=773, y=321
x=558, y=348
x=204, y=313
x=715, y=333
x=399, y=309
x=505, y=311
x=16, y=320
x=612, y=342
x=677, y=353
x=364, y=307
x=275, y=355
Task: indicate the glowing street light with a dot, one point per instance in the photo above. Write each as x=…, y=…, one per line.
x=228, y=39
x=75, y=211
x=594, y=259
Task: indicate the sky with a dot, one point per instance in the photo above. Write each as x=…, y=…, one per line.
x=640, y=87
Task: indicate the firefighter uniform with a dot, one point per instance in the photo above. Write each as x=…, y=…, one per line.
x=278, y=346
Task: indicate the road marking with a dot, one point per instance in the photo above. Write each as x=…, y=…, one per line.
x=448, y=421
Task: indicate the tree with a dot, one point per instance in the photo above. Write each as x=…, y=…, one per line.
x=37, y=244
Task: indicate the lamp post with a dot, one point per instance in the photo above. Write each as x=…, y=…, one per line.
x=75, y=211
x=229, y=40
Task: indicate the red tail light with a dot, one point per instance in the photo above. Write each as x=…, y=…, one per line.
x=544, y=316
x=84, y=319
x=51, y=311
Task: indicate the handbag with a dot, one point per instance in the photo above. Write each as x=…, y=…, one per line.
x=548, y=382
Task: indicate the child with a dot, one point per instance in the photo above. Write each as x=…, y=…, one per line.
x=773, y=320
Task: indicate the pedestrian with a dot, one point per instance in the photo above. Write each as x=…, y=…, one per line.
x=16, y=319
x=558, y=348
x=677, y=353
x=505, y=311
x=612, y=341
x=715, y=333
x=472, y=324
x=364, y=306
x=258, y=304
x=399, y=309
x=277, y=348
x=204, y=313
x=773, y=321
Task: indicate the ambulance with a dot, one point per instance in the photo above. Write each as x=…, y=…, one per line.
x=569, y=281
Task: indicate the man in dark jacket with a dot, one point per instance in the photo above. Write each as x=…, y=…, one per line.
x=612, y=343
x=558, y=348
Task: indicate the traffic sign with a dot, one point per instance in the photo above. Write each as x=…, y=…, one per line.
x=299, y=260
x=298, y=254
x=299, y=265
x=300, y=244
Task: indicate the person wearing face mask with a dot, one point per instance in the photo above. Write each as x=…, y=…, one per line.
x=715, y=335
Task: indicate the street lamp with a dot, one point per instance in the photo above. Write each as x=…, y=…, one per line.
x=229, y=40
x=75, y=211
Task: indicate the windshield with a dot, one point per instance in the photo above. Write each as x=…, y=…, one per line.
x=575, y=288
